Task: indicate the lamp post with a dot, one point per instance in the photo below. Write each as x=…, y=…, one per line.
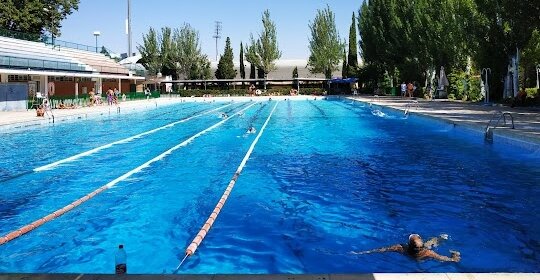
x=96, y=34
x=486, y=72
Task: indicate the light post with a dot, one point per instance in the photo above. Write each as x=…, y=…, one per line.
x=96, y=34
x=537, y=81
x=486, y=72
x=49, y=10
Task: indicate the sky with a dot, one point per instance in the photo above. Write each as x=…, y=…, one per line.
x=239, y=18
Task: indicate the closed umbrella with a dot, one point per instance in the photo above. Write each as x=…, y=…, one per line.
x=443, y=81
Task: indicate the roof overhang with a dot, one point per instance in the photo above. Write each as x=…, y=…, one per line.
x=68, y=74
x=246, y=80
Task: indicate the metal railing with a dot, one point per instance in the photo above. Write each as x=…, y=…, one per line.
x=488, y=134
x=69, y=45
x=49, y=40
x=408, y=106
x=20, y=35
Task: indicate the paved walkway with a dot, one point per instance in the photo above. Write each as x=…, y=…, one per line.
x=475, y=116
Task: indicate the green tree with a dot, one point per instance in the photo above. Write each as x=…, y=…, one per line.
x=105, y=52
x=503, y=28
x=325, y=44
x=252, y=71
x=242, y=66
x=530, y=59
x=225, y=68
x=352, y=59
x=167, y=52
x=200, y=70
x=150, y=52
x=295, y=72
x=345, y=66
x=264, y=51
x=189, y=61
x=36, y=16
x=295, y=76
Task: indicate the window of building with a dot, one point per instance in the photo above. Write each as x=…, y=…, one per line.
x=18, y=78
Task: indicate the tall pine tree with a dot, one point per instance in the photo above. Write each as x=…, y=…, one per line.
x=242, y=66
x=225, y=69
x=352, y=61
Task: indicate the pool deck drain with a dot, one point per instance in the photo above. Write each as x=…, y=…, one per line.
x=375, y=276
x=474, y=116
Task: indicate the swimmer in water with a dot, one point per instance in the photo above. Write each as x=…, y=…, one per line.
x=251, y=130
x=224, y=115
x=417, y=249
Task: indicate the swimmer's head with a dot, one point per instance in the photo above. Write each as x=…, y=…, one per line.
x=415, y=241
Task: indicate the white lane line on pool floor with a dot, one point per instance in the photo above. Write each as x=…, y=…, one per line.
x=213, y=216
x=95, y=150
x=39, y=222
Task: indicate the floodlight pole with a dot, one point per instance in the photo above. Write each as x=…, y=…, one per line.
x=128, y=27
x=96, y=34
x=217, y=35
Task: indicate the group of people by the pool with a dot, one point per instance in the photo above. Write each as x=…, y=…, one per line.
x=418, y=249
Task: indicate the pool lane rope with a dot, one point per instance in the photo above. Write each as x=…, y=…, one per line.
x=125, y=140
x=212, y=218
x=39, y=222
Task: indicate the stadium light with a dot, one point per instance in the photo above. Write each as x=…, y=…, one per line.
x=96, y=34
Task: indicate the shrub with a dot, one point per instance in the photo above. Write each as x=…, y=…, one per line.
x=532, y=92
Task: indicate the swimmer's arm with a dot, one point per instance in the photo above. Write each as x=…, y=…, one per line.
x=434, y=242
x=456, y=257
x=394, y=248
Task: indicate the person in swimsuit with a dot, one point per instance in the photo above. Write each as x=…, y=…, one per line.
x=417, y=249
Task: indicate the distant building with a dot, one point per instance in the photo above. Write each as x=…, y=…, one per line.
x=37, y=70
x=284, y=69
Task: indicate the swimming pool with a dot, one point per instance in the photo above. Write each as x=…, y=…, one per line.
x=325, y=178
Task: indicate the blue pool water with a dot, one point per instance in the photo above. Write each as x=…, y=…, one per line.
x=325, y=178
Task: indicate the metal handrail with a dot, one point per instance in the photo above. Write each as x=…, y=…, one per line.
x=500, y=116
x=409, y=105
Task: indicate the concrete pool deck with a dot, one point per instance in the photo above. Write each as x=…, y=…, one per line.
x=470, y=115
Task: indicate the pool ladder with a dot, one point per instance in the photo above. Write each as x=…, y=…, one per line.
x=499, y=115
x=409, y=106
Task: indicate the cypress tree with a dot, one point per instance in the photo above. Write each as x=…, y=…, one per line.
x=252, y=71
x=260, y=75
x=242, y=66
x=225, y=69
x=345, y=67
x=295, y=72
x=352, y=61
x=295, y=75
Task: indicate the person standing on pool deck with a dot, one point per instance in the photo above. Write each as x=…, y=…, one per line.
x=403, y=89
x=417, y=249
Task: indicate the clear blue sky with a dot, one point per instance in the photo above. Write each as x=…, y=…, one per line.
x=239, y=18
